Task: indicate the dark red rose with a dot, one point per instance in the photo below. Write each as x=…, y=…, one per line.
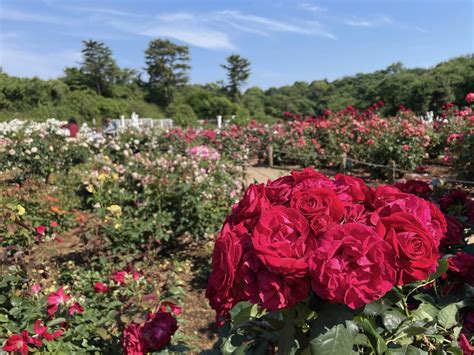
x=455, y=232
x=470, y=211
x=157, y=331
x=252, y=204
x=456, y=197
x=468, y=322
x=416, y=253
x=352, y=265
x=415, y=187
x=350, y=188
x=279, y=191
x=282, y=241
x=132, y=342
x=461, y=265
x=225, y=259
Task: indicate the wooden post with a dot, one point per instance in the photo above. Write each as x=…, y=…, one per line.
x=393, y=173
x=270, y=155
x=343, y=162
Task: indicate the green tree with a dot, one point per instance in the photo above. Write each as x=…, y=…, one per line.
x=98, y=66
x=238, y=71
x=167, y=67
x=182, y=114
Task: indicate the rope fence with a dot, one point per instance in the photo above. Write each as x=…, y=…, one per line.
x=345, y=162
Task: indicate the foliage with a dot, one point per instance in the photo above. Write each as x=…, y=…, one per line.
x=166, y=66
x=238, y=71
x=182, y=114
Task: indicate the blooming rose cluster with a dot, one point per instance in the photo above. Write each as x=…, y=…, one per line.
x=204, y=152
x=347, y=242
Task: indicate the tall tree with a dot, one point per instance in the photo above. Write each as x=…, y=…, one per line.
x=98, y=66
x=167, y=67
x=238, y=71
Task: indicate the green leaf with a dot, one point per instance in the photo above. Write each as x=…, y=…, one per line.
x=56, y=321
x=330, y=315
x=103, y=333
x=447, y=317
x=406, y=350
x=442, y=268
x=336, y=341
x=376, y=341
x=391, y=319
x=3, y=318
x=425, y=311
x=243, y=311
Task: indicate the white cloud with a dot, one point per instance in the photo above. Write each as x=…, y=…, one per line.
x=198, y=37
x=214, y=30
x=374, y=22
x=306, y=6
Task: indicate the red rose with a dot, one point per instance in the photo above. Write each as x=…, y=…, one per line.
x=455, y=232
x=270, y=290
x=279, y=190
x=350, y=188
x=308, y=174
x=462, y=266
x=357, y=213
x=389, y=201
x=310, y=178
x=225, y=259
x=314, y=203
x=282, y=241
x=416, y=252
x=101, y=287
x=352, y=265
x=132, y=342
x=157, y=331
x=251, y=205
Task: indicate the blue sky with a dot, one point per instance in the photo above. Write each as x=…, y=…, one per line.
x=284, y=40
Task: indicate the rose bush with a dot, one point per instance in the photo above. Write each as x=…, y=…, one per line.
x=305, y=253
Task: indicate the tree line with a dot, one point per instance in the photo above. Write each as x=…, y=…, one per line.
x=98, y=87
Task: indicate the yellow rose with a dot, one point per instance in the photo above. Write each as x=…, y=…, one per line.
x=21, y=210
x=118, y=225
x=102, y=177
x=90, y=188
x=115, y=209
x=115, y=176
